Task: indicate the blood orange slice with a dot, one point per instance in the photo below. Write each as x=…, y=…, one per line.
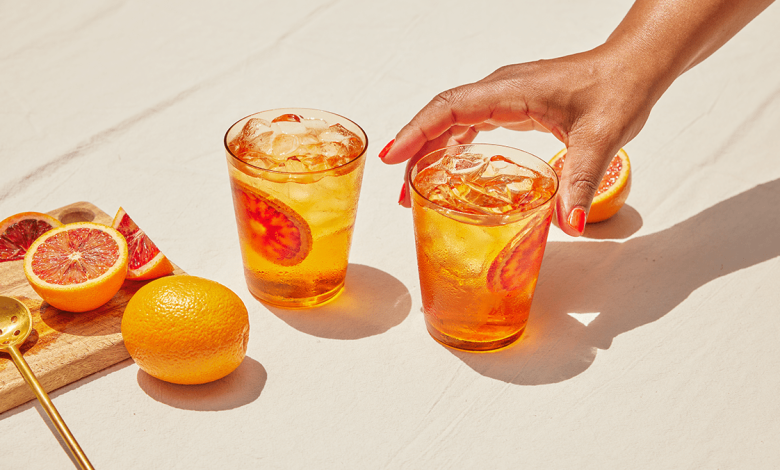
x=146, y=260
x=77, y=267
x=614, y=187
x=19, y=231
x=271, y=227
x=287, y=118
x=517, y=265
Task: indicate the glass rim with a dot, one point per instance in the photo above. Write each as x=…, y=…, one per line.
x=261, y=169
x=484, y=219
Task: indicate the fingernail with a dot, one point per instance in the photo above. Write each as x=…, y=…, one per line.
x=403, y=194
x=577, y=219
x=387, y=148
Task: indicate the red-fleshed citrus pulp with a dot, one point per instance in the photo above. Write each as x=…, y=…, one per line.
x=146, y=260
x=18, y=232
x=613, y=189
x=77, y=267
x=272, y=228
x=517, y=265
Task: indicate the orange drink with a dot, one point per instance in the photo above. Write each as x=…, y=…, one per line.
x=295, y=176
x=481, y=217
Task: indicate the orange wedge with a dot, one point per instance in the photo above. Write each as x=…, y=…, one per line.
x=146, y=260
x=18, y=232
x=614, y=187
x=77, y=267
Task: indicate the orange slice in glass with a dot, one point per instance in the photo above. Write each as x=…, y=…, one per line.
x=613, y=189
x=517, y=265
x=18, y=232
x=271, y=227
x=77, y=267
x=146, y=261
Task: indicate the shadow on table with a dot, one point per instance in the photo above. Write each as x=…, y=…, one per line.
x=372, y=302
x=239, y=388
x=622, y=225
x=629, y=284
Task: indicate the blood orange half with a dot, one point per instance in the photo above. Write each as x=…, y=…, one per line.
x=18, y=232
x=146, y=260
x=77, y=267
x=517, y=265
x=271, y=227
x=613, y=189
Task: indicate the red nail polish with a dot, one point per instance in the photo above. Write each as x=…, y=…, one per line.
x=403, y=194
x=577, y=219
x=387, y=148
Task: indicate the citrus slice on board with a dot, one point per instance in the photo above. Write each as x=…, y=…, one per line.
x=271, y=227
x=517, y=265
x=77, y=267
x=19, y=231
x=146, y=261
x=613, y=189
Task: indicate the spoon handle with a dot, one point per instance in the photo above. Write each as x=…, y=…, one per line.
x=45, y=401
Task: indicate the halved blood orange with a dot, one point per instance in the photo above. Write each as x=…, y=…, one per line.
x=272, y=228
x=146, y=260
x=77, y=267
x=614, y=187
x=517, y=265
x=19, y=231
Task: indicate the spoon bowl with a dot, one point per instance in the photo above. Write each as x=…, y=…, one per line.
x=16, y=324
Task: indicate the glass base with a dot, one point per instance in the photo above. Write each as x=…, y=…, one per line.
x=473, y=346
x=297, y=303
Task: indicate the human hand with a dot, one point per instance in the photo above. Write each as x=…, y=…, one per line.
x=589, y=101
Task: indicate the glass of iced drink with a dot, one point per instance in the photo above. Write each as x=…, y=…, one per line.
x=295, y=176
x=481, y=217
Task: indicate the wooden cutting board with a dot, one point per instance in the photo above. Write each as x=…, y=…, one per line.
x=63, y=347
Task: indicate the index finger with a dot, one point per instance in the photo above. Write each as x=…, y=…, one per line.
x=463, y=106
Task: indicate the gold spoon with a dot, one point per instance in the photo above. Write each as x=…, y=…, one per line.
x=15, y=327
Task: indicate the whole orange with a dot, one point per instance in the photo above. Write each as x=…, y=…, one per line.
x=186, y=329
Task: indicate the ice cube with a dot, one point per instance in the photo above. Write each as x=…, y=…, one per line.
x=284, y=145
x=254, y=128
x=431, y=178
x=295, y=165
x=474, y=198
x=260, y=160
x=354, y=146
x=331, y=136
x=500, y=165
x=337, y=160
x=467, y=166
x=519, y=185
x=289, y=127
x=331, y=149
x=308, y=139
x=317, y=163
x=342, y=130
x=316, y=125
x=337, y=133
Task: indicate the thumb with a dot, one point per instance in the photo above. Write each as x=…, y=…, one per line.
x=583, y=169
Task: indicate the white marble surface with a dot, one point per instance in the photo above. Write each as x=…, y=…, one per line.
x=652, y=341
